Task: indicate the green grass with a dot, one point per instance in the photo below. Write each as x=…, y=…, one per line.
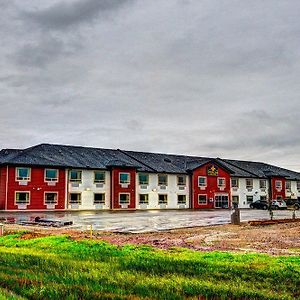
x=57, y=267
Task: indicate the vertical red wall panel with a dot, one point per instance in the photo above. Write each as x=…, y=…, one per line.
x=37, y=187
x=117, y=187
x=2, y=187
x=275, y=192
x=212, y=186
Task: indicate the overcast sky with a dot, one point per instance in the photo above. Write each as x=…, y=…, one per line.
x=212, y=78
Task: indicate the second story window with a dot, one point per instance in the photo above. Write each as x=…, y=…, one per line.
x=143, y=179
x=23, y=174
x=75, y=176
x=234, y=183
x=99, y=177
x=124, y=178
x=162, y=179
x=278, y=185
x=51, y=175
x=221, y=182
x=202, y=181
x=288, y=186
x=262, y=184
x=249, y=184
x=181, y=180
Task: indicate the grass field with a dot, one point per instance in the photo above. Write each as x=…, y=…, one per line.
x=58, y=267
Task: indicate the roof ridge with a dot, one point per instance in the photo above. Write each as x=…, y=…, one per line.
x=238, y=167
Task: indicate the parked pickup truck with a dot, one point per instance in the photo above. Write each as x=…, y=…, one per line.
x=294, y=203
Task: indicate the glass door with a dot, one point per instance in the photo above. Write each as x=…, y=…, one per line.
x=221, y=201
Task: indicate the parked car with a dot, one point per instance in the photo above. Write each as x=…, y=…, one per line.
x=293, y=203
x=260, y=204
x=278, y=204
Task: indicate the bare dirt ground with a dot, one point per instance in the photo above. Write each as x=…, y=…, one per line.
x=279, y=239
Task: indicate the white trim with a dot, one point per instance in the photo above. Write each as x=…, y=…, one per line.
x=201, y=186
x=205, y=198
x=55, y=180
x=128, y=182
x=50, y=192
x=29, y=198
x=16, y=174
x=126, y=202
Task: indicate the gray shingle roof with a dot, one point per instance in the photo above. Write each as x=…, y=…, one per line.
x=98, y=158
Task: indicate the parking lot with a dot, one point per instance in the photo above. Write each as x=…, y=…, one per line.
x=145, y=221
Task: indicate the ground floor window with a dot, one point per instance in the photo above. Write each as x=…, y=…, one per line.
x=124, y=198
x=263, y=198
x=22, y=197
x=99, y=198
x=202, y=199
x=221, y=201
x=235, y=201
x=181, y=199
x=249, y=199
x=75, y=198
x=51, y=198
x=162, y=199
x=144, y=199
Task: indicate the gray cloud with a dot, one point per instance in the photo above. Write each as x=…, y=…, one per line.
x=217, y=78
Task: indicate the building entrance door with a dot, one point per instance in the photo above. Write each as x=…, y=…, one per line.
x=221, y=201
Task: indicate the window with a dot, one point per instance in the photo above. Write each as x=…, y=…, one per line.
x=249, y=199
x=22, y=198
x=262, y=184
x=278, y=185
x=51, y=175
x=221, y=182
x=249, y=184
x=263, y=198
x=143, y=179
x=99, y=177
x=162, y=199
x=202, y=199
x=298, y=185
x=23, y=174
x=288, y=186
x=162, y=179
x=234, y=182
x=99, y=198
x=124, y=178
x=75, y=176
x=221, y=201
x=50, y=198
x=181, y=199
x=75, y=198
x=235, y=200
x=124, y=198
x=181, y=180
x=202, y=181
x=144, y=199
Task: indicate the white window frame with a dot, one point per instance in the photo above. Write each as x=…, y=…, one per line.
x=124, y=202
x=95, y=203
x=278, y=187
x=222, y=179
x=97, y=181
x=18, y=192
x=75, y=180
x=78, y=193
x=147, y=202
x=205, y=179
x=181, y=202
x=205, y=199
x=249, y=187
x=264, y=186
x=237, y=183
x=51, y=179
x=143, y=183
x=288, y=189
x=164, y=203
x=181, y=184
x=50, y=192
x=128, y=180
x=163, y=184
x=23, y=178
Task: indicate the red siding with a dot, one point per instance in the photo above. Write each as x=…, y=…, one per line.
x=278, y=193
x=37, y=187
x=2, y=187
x=212, y=186
x=117, y=188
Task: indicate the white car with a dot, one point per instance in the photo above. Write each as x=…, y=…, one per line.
x=278, y=204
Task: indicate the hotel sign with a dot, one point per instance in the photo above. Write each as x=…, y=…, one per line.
x=212, y=170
